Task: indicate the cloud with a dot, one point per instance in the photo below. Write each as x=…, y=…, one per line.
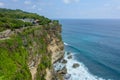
x=1, y=4
x=27, y=2
x=70, y=1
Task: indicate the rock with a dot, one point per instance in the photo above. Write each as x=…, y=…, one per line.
x=68, y=53
x=70, y=57
x=63, y=71
x=64, y=61
x=75, y=65
x=67, y=76
x=57, y=56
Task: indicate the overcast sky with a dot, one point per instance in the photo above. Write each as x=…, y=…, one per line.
x=67, y=8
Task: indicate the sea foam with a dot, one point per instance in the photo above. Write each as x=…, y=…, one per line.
x=65, y=43
x=79, y=73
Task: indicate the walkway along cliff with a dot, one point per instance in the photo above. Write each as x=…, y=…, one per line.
x=29, y=53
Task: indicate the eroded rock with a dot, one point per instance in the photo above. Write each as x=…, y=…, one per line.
x=68, y=53
x=63, y=71
x=70, y=57
x=75, y=65
x=64, y=61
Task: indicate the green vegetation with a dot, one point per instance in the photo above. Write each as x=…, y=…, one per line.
x=32, y=40
x=45, y=63
x=13, y=58
x=14, y=54
x=40, y=35
x=12, y=19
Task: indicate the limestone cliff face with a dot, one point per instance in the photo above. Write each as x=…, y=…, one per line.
x=54, y=51
x=56, y=48
x=40, y=48
x=52, y=47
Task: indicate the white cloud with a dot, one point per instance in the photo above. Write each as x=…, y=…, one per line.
x=27, y=2
x=1, y=4
x=70, y=1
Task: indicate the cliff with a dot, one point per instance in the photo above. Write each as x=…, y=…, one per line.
x=29, y=53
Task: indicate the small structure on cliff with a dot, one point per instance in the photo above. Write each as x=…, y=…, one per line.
x=33, y=21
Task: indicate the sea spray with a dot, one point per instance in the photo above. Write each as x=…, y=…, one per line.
x=79, y=73
x=65, y=43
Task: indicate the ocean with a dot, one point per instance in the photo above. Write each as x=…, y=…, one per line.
x=95, y=45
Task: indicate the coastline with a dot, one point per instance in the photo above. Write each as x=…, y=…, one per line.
x=71, y=69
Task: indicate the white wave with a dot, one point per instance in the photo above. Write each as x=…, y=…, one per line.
x=65, y=43
x=80, y=73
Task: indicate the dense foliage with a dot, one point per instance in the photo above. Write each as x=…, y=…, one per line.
x=13, y=60
x=10, y=19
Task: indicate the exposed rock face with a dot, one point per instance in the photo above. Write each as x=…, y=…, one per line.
x=63, y=71
x=56, y=48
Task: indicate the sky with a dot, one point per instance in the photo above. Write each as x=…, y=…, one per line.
x=77, y=9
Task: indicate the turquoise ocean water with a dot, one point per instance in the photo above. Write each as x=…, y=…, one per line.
x=95, y=44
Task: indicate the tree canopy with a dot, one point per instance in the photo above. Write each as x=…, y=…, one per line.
x=10, y=19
